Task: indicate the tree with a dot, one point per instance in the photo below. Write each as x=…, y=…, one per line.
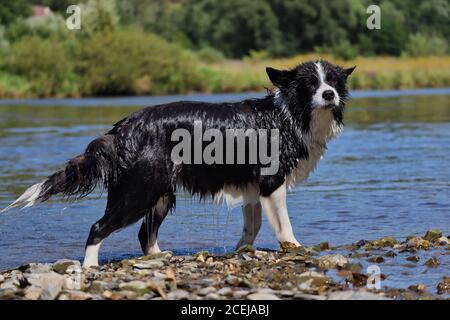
x=234, y=27
x=11, y=10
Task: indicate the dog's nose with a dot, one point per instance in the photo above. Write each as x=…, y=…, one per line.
x=328, y=95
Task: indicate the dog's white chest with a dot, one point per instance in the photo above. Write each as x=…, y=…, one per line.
x=323, y=128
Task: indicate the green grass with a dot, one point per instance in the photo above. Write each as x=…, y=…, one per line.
x=187, y=73
x=371, y=73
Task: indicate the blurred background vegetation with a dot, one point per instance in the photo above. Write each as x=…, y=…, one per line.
x=137, y=47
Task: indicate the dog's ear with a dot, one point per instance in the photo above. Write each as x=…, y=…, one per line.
x=279, y=78
x=349, y=71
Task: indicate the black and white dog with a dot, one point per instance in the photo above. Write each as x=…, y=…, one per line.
x=134, y=160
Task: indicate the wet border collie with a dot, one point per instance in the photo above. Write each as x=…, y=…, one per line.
x=133, y=160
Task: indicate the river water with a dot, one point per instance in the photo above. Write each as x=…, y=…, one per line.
x=387, y=174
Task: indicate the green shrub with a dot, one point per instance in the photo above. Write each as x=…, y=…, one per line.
x=130, y=61
x=44, y=62
x=420, y=45
x=344, y=51
x=210, y=55
x=257, y=55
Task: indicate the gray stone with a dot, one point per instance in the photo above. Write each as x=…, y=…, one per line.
x=165, y=255
x=304, y=296
x=332, y=261
x=135, y=285
x=2, y=278
x=432, y=235
x=213, y=296
x=225, y=291
x=286, y=293
x=207, y=290
x=61, y=266
x=76, y=295
x=261, y=254
x=262, y=296
x=178, y=295
x=232, y=280
x=240, y=294
x=149, y=264
x=39, y=267
x=443, y=241
x=51, y=283
x=98, y=286
x=33, y=292
x=354, y=295
x=9, y=285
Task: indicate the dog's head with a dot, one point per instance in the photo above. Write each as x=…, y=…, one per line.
x=312, y=85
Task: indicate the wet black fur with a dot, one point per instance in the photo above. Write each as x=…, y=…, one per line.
x=133, y=160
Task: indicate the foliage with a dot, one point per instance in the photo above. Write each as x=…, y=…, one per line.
x=179, y=46
x=42, y=62
x=11, y=10
x=210, y=55
x=151, y=66
x=234, y=27
x=420, y=45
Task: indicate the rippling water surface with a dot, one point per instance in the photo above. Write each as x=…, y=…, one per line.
x=387, y=174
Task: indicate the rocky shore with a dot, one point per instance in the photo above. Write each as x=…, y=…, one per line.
x=320, y=272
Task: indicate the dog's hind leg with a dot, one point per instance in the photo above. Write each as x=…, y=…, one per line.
x=252, y=224
x=148, y=232
x=276, y=210
x=128, y=202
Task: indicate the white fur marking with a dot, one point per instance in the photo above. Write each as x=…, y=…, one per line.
x=322, y=129
x=276, y=210
x=318, y=100
x=153, y=249
x=234, y=196
x=28, y=198
x=91, y=255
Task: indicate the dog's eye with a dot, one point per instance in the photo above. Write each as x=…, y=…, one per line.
x=332, y=81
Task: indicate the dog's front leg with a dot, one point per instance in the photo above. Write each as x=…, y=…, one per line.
x=252, y=224
x=276, y=210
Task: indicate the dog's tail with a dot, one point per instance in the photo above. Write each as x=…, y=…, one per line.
x=98, y=164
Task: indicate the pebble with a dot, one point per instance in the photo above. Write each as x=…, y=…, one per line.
x=33, y=292
x=418, y=287
x=135, y=285
x=376, y=259
x=213, y=296
x=149, y=264
x=61, y=266
x=240, y=294
x=225, y=291
x=413, y=258
x=207, y=290
x=39, y=268
x=443, y=241
x=178, y=295
x=75, y=295
x=432, y=262
x=332, y=261
x=354, y=295
x=293, y=273
x=432, y=235
x=262, y=296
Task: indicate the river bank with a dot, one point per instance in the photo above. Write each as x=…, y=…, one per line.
x=317, y=273
x=224, y=76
